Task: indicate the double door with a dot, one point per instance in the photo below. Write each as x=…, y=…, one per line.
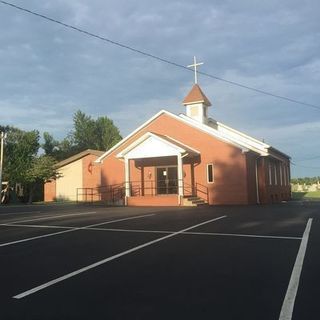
x=167, y=180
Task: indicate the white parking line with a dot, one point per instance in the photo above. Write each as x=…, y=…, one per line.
x=72, y=230
x=154, y=231
x=288, y=303
x=34, y=238
x=243, y=235
x=54, y=216
x=96, y=264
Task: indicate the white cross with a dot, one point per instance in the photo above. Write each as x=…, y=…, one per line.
x=194, y=65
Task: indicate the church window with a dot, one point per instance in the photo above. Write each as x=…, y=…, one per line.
x=210, y=173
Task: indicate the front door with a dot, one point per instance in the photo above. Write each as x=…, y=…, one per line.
x=167, y=180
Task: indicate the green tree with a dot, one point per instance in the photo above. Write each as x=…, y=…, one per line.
x=87, y=133
x=42, y=169
x=84, y=133
x=22, y=164
x=50, y=144
x=66, y=148
x=20, y=149
x=100, y=134
x=305, y=180
x=59, y=150
x=107, y=133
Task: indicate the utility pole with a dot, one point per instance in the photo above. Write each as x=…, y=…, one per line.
x=2, y=137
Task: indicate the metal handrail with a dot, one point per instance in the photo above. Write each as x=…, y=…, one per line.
x=151, y=187
x=141, y=188
x=111, y=193
x=116, y=192
x=204, y=191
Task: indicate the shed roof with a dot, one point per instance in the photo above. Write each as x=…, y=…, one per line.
x=78, y=156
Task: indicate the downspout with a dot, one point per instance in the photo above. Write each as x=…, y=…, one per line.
x=257, y=180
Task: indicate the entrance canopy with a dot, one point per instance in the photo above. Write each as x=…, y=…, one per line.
x=152, y=145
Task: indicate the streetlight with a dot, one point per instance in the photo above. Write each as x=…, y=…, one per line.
x=2, y=137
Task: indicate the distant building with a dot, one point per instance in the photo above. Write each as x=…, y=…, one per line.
x=187, y=159
x=77, y=172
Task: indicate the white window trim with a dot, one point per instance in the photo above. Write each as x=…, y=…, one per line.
x=210, y=164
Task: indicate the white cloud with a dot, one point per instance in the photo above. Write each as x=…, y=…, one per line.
x=47, y=72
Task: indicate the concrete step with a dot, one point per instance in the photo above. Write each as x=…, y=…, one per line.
x=193, y=201
x=198, y=201
x=191, y=197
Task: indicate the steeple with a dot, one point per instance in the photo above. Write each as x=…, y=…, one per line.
x=196, y=95
x=196, y=102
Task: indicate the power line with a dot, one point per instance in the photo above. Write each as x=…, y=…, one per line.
x=88, y=33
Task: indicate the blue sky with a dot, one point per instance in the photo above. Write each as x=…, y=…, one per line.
x=47, y=72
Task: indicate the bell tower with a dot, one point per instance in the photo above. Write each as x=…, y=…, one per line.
x=196, y=102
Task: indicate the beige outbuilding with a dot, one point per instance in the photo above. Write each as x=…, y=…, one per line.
x=76, y=173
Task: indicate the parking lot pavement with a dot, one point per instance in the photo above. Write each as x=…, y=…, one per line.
x=140, y=263
x=307, y=300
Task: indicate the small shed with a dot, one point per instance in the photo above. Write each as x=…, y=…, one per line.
x=76, y=173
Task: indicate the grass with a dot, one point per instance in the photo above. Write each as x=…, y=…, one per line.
x=314, y=195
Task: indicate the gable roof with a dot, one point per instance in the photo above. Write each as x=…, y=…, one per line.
x=196, y=96
x=154, y=144
x=78, y=156
x=252, y=141
x=215, y=129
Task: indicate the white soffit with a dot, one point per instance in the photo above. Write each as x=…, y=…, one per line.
x=151, y=146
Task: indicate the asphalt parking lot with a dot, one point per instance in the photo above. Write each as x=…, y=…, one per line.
x=224, y=262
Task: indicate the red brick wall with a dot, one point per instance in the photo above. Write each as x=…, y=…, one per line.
x=168, y=200
x=251, y=177
x=91, y=174
x=50, y=191
x=231, y=177
x=274, y=192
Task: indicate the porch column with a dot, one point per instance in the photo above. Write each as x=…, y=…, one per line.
x=180, y=175
x=127, y=176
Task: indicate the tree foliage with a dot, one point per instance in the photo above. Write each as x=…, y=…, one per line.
x=20, y=149
x=100, y=134
x=42, y=169
x=50, y=144
x=22, y=164
x=87, y=133
x=59, y=150
x=306, y=180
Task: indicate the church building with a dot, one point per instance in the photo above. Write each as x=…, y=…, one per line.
x=192, y=159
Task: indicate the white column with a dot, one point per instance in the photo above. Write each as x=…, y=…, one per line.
x=127, y=176
x=180, y=175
